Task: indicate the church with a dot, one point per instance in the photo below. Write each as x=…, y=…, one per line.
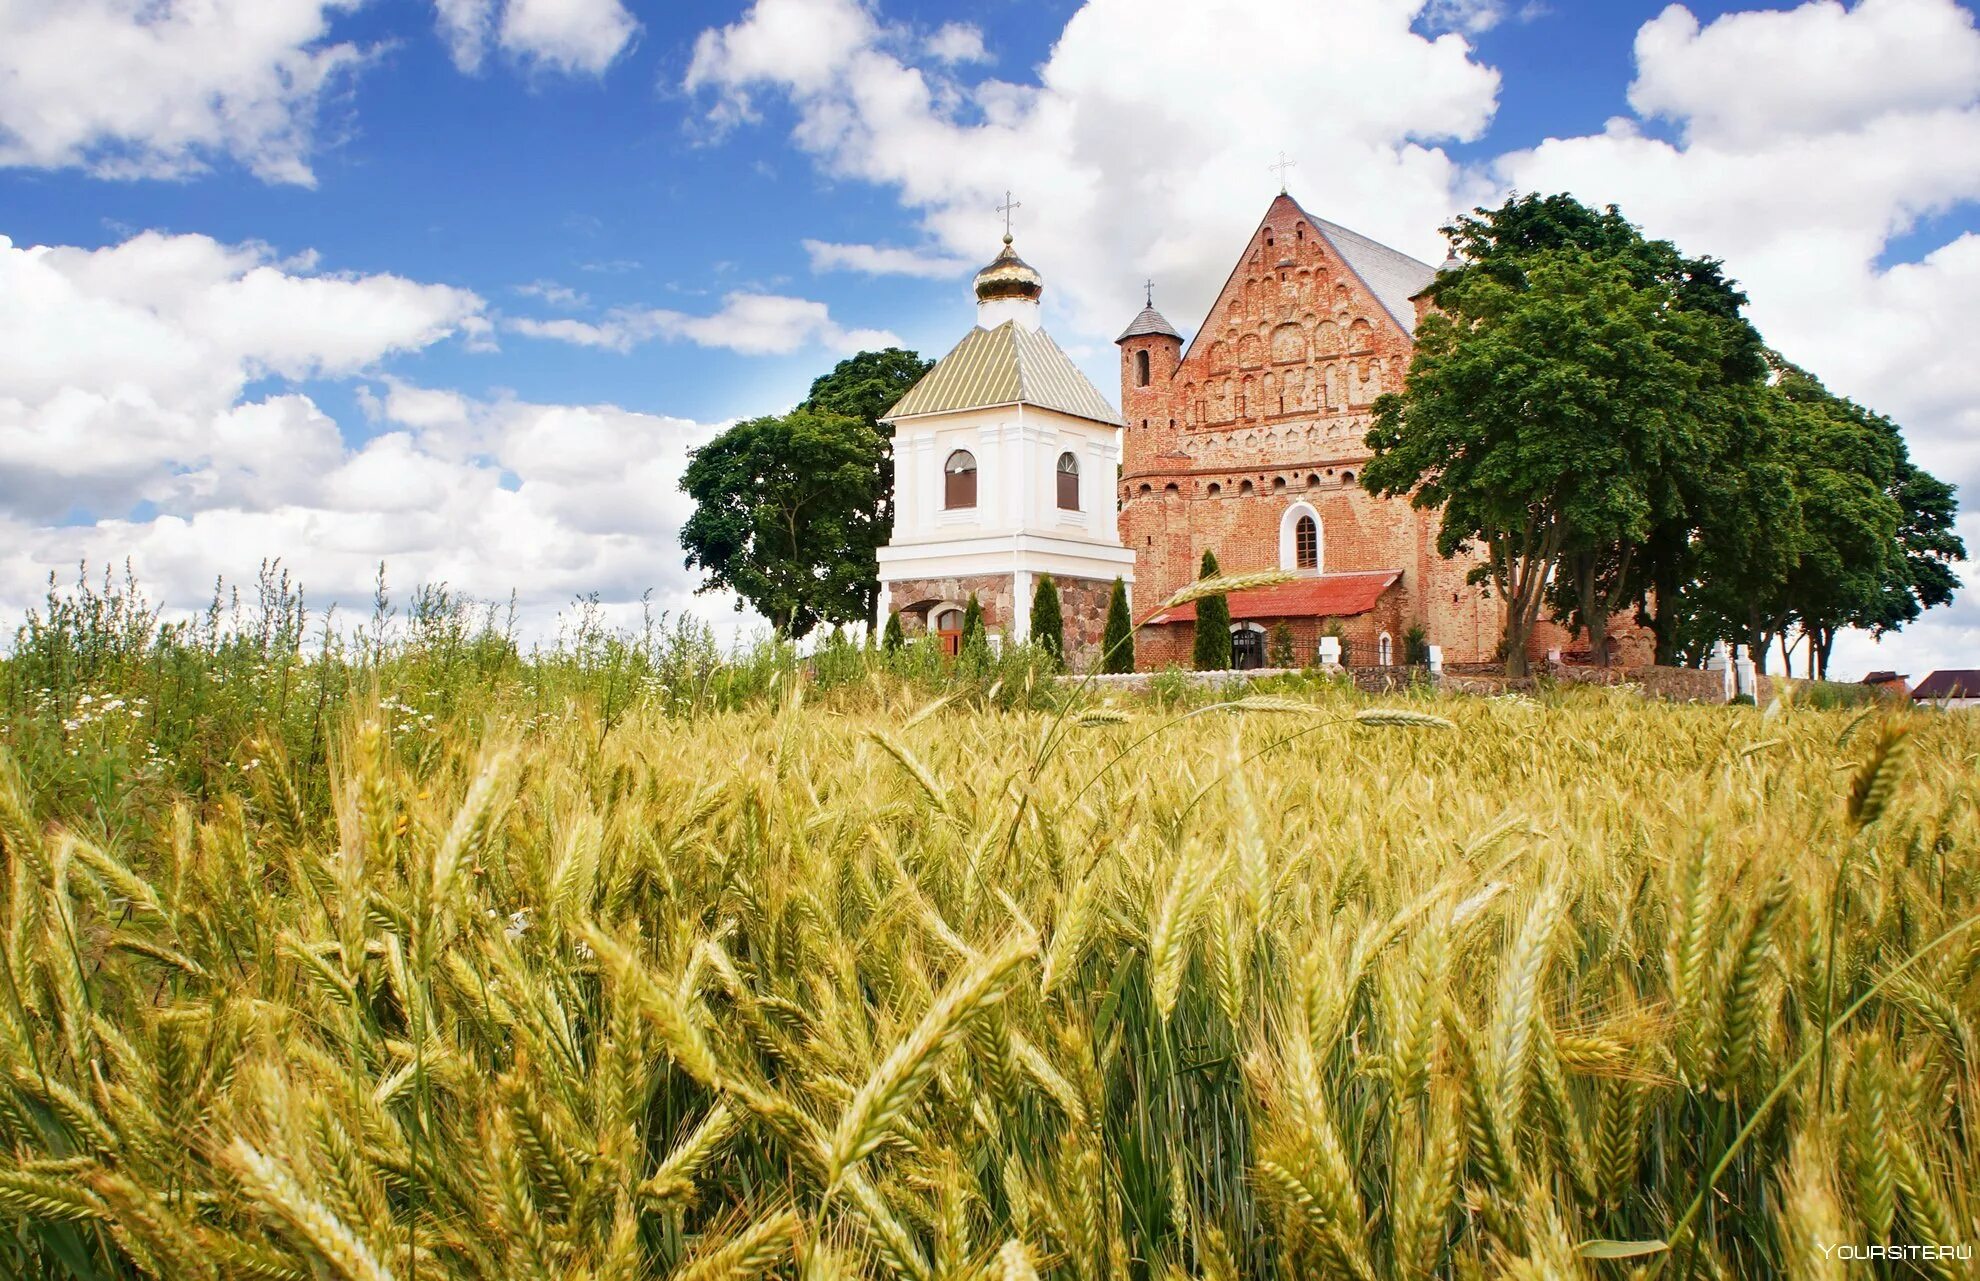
x=1244, y=441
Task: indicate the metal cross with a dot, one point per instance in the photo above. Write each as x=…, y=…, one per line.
x=1149, y=285
x=1283, y=165
x=1005, y=209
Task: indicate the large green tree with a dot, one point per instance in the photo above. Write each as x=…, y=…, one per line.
x=1653, y=568
x=865, y=386
x=784, y=517
x=1878, y=536
x=1544, y=411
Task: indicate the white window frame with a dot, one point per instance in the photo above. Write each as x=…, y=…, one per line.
x=1289, y=538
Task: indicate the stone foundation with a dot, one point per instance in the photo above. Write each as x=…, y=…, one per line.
x=918, y=598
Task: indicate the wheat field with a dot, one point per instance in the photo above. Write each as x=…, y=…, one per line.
x=1312, y=985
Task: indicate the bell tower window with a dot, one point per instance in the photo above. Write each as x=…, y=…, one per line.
x=1141, y=368
x=1068, y=482
x=959, y=480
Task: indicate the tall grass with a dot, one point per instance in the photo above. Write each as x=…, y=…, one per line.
x=852, y=976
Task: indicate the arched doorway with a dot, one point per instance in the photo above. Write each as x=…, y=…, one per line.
x=948, y=623
x=1247, y=647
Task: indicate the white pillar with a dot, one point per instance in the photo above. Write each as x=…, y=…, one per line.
x=1330, y=652
x=1021, y=589
x=1436, y=662
x=1721, y=662
x=1743, y=678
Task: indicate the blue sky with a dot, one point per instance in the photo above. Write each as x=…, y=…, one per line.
x=456, y=284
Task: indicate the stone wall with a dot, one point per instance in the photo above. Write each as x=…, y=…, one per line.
x=916, y=598
x=1083, y=602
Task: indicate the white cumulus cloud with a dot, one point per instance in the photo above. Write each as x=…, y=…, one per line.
x=1125, y=164
x=884, y=260
x=131, y=429
x=122, y=369
x=163, y=88
x=751, y=324
x=578, y=37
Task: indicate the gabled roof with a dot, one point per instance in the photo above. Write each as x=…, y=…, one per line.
x=1948, y=682
x=1321, y=596
x=1007, y=365
x=1391, y=275
x=1150, y=321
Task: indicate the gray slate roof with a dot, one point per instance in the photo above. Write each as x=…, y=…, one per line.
x=1005, y=366
x=1150, y=321
x=1391, y=275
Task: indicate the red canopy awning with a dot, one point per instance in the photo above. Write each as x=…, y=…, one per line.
x=1321, y=596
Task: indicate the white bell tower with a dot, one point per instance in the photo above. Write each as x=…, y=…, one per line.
x=1005, y=458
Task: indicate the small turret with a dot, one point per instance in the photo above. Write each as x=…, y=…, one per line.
x=1151, y=349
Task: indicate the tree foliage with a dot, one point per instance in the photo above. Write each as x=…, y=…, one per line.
x=1542, y=416
x=789, y=509
x=1048, y=624
x=783, y=517
x=894, y=638
x=1599, y=421
x=1212, y=649
x=865, y=386
x=1117, y=643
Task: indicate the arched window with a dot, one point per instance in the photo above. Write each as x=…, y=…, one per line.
x=1147, y=489
x=1312, y=480
x=1141, y=368
x=1302, y=539
x=959, y=480
x=1385, y=650
x=1278, y=484
x=1215, y=489
x=1347, y=478
x=1170, y=488
x=1068, y=482
x=1244, y=487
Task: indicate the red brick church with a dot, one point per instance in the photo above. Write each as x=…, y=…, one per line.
x=1247, y=441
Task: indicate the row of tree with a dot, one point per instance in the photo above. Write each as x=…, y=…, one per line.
x=1603, y=428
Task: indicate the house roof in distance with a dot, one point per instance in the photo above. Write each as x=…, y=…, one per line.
x=1949, y=682
x=1321, y=596
x=1005, y=365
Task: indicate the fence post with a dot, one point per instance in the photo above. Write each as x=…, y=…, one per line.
x=1743, y=678
x=1721, y=662
x=1436, y=653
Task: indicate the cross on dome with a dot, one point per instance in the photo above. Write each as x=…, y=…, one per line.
x=1005, y=209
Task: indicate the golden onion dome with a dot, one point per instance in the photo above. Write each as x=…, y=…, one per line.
x=1008, y=276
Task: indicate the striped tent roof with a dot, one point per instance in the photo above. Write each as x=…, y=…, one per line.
x=1007, y=365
